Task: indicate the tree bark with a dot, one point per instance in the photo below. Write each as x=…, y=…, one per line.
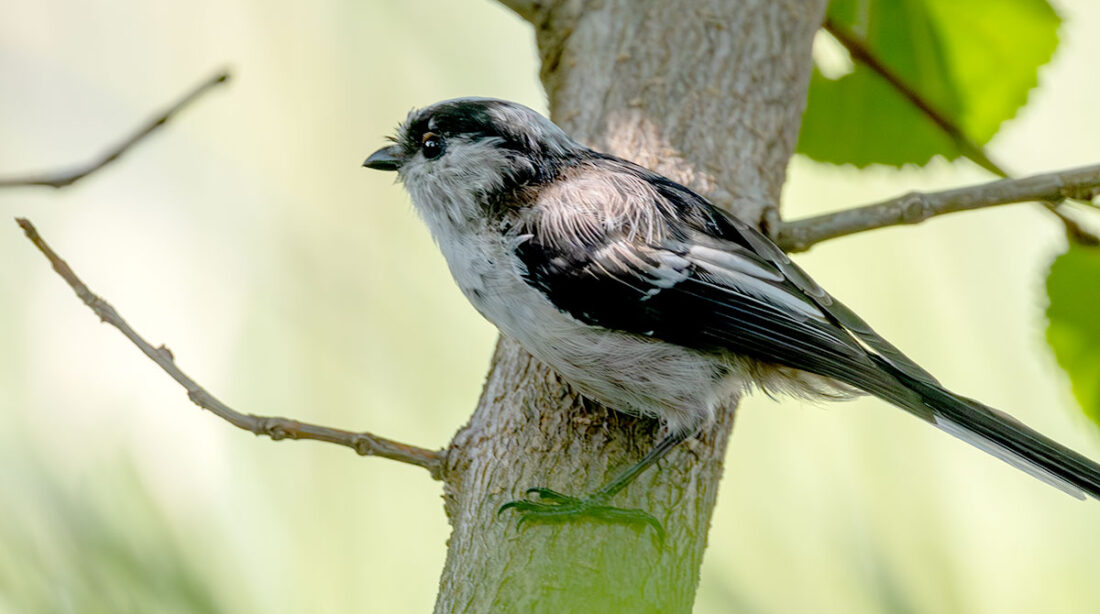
x=709, y=93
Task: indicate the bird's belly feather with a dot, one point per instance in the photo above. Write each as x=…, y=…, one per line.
x=623, y=371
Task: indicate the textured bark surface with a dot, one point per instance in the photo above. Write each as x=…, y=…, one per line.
x=709, y=93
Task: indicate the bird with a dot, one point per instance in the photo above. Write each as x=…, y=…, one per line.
x=650, y=300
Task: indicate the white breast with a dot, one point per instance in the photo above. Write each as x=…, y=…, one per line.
x=626, y=372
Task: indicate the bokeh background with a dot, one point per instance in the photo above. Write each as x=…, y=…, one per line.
x=290, y=281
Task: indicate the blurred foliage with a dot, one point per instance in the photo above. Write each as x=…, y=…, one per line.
x=974, y=61
x=92, y=548
x=1073, y=317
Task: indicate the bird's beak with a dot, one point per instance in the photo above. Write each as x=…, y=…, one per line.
x=385, y=159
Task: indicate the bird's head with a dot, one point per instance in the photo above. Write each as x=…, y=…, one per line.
x=459, y=157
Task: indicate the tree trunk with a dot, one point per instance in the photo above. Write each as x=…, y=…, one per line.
x=709, y=93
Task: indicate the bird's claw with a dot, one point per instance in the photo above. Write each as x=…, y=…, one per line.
x=553, y=506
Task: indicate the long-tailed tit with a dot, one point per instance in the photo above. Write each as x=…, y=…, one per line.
x=650, y=300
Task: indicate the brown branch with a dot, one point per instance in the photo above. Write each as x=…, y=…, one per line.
x=66, y=178
x=1079, y=183
x=364, y=444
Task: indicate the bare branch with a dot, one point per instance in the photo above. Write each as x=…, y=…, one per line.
x=1079, y=183
x=364, y=444
x=66, y=178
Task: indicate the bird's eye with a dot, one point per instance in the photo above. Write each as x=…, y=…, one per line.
x=432, y=145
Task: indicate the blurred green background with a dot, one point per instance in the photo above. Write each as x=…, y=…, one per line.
x=290, y=281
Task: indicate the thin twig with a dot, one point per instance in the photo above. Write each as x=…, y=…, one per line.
x=1079, y=183
x=860, y=52
x=66, y=178
x=1075, y=232
x=365, y=444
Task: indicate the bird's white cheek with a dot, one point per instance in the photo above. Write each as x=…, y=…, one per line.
x=442, y=201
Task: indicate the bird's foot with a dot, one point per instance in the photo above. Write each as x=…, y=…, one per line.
x=551, y=506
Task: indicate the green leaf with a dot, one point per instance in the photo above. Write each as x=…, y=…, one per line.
x=974, y=61
x=1073, y=322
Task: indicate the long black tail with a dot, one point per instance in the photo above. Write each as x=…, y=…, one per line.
x=1001, y=435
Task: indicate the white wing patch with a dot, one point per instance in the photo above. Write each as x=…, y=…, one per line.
x=655, y=270
x=726, y=269
x=733, y=262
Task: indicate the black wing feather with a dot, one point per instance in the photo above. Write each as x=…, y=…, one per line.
x=699, y=311
x=778, y=315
